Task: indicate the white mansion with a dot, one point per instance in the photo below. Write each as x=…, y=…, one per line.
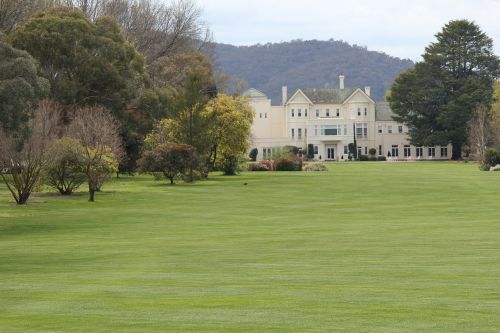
x=326, y=119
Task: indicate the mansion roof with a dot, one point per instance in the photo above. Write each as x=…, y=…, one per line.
x=383, y=112
x=328, y=96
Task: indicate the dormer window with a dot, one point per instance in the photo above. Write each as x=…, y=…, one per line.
x=338, y=112
x=317, y=113
x=293, y=113
x=359, y=111
x=366, y=111
x=305, y=113
x=299, y=113
x=328, y=112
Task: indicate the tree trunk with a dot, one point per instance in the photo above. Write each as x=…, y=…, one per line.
x=23, y=198
x=171, y=180
x=91, y=193
x=456, y=152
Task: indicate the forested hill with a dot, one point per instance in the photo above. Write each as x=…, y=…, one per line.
x=313, y=64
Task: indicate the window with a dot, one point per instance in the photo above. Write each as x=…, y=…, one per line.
x=305, y=112
x=346, y=150
x=419, y=151
x=315, y=150
x=359, y=111
x=400, y=129
x=261, y=115
x=395, y=151
x=265, y=115
x=345, y=129
x=338, y=112
x=366, y=111
x=359, y=152
x=299, y=113
x=305, y=132
x=432, y=152
x=293, y=112
x=389, y=129
x=332, y=129
x=317, y=112
x=407, y=151
x=444, y=152
x=366, y=150
x=293, y=133
x=299, y=133
x=266, y=153
x=380, y=149
x=315, y=130
x=362, y=130
x=328, y=112
x=379, y=129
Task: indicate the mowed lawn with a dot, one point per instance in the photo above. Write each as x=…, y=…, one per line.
x=365, y=247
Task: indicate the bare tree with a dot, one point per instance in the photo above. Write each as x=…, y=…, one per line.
x=480, y=131
x=97, y=131
x=22, y=160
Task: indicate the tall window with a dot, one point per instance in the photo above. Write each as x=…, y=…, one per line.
x=265, y=115
x=359, y=151
x=407, y=150
x=317, y=113
x=432, y=152
x=366, y=111
x=366, y=150
x=444, y=152
x=261, y=115
x=293, y=113
x=346, y=149
x=395, y=151
x=293, y=133
x=361, y=130
x=380, y=149
x=305, y=132
x=389, y=129
x=315, y=130
x=299, y=113
x=338, y=112
x=299, y=133
x=305, y=112
x=379, y=129
x=419, y=151
x=328, y=112
x=345, y=129
x=400, y=129
x=359, y=111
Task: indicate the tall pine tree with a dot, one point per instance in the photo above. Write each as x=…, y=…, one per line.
x=437, y=97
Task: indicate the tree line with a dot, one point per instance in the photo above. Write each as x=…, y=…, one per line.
x=124, y=85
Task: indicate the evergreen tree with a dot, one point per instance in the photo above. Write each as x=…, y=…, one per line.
x=437, y=98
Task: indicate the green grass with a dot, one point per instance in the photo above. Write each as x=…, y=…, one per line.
x=366, y=247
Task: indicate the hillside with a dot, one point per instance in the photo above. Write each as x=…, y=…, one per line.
x=300, y=64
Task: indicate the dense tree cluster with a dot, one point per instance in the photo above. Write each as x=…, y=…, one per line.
x=106, y=75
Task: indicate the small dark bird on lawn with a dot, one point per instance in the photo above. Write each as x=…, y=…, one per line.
x=245, y=184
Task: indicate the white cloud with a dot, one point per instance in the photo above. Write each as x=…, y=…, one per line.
x=399, y=28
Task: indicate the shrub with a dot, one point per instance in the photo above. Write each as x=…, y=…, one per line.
x=253, y=154
x=495, y=168
x=363, y=158
x=288, y=164
x=261, y=166
x=381, y=158
x=65, y=172
x=315, y=167
x=491, y=158
x=372, y=151
x=372, y=158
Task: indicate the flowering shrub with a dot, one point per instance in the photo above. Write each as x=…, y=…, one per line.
x=315, y=167
x=495, y=168
x=261, y=166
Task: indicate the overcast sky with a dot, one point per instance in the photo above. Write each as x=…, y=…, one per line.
x=397, y=27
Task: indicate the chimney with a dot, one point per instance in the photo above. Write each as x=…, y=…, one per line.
x=368, y=90
x=284, y=95
x=341, y=79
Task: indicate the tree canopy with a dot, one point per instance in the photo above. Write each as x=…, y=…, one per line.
x=438, y=97
x=20, y=87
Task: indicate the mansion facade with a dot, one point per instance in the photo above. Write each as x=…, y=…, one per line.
x=327, y=120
